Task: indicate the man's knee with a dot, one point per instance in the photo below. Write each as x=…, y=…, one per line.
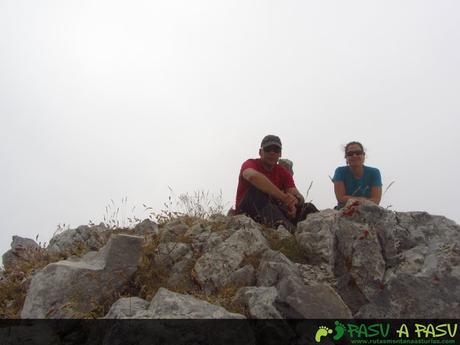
x=253, y=200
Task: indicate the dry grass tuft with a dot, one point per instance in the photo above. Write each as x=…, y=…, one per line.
x=289, y=247
x=152, y=275
x=12, y=295
x=184, y=239
x=253, y=260
x=218, y=226
x=116, y=217
x=149, y=276
x=16, y=280
x=198, y=205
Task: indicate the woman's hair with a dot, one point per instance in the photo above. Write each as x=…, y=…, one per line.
x=353, y=143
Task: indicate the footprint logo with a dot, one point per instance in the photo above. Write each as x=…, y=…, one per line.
x=322, y=332
x=339, y=330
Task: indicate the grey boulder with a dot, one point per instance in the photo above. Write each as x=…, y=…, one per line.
x=168, y=305
x=127, y=307
x=259, y=302
x=22, y=250
x=213, y=269
x=296, y=300
x=84, y=236
x=72, y=288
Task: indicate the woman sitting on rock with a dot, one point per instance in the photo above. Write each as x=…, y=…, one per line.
x=356, y=181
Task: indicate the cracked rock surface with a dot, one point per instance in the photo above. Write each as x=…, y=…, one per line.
x=362, y=261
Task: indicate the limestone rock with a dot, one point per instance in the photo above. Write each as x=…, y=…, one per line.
x=375, y=253
x=191, y=326
x=259, y=301
x=274, y=266
x=315, y=235
x=126, y=308
x=317, y=274
x=89, y=237
x=203, y=238
x=245, y=276
x=170, y=253
x=145, y=228
x=239, y=222
x=170, y=305
x=22, y=250
x=213, y=269
x=359, y=265
x=406, y=295
x=172, y=230
x=180, y=275
x=278, y=234
x=362, y=260
x=72, y=288
x=296, y=300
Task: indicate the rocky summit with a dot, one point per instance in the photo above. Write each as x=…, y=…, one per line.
x=363, y=261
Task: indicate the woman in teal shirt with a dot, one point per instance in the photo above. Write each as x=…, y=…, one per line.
x=356, y=181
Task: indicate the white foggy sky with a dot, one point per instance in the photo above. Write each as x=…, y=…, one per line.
x=105, y=99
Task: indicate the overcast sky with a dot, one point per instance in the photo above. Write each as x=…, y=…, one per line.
x=105, y=99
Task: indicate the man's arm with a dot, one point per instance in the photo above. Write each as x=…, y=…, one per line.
x=260, y=181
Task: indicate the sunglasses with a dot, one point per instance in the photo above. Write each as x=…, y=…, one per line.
x=272, y=148
x=352, y=153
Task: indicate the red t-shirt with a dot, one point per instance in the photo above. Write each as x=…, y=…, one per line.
x=279, y=176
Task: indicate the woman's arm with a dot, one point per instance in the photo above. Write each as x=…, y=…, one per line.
x=339, y=189
x=376, y=194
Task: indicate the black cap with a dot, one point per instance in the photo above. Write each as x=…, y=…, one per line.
x=270, y=140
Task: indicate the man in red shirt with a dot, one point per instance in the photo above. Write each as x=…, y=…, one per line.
x=266, y=190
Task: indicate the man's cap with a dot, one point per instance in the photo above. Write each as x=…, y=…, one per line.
x=270, y=140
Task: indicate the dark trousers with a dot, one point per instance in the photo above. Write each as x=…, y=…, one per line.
x=266, y=210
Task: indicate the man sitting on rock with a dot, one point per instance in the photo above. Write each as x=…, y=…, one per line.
x=266, y=190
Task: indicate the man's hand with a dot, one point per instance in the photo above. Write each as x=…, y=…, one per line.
x=261, y=182
x=291, y=212
x=290, y=201
x=300, y=199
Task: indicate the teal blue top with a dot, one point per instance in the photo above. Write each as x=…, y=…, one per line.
x=358, y=187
